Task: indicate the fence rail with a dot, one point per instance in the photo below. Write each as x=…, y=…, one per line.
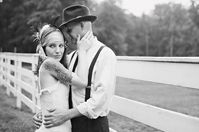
x=16, y=74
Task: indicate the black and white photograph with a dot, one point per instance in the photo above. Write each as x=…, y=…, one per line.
x=99, y=65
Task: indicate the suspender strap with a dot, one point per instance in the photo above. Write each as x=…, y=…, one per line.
x=88, y=88
x=70, y=90
x=72, y=56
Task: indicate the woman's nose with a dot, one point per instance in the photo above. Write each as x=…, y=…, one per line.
x=58, y=49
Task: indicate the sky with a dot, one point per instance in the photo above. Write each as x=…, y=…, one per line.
x=138, y=7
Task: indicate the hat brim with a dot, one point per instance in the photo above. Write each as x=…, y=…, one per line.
x=79, y=19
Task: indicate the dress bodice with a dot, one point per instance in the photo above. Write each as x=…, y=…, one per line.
x=55, y=96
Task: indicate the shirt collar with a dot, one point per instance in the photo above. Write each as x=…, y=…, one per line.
x=95, y=44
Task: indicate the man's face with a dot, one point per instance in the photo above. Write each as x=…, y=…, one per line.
x=73, y=30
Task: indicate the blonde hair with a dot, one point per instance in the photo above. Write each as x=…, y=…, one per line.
x=45, y=30
x=40, y=37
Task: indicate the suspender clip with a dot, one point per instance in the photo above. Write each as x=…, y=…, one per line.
x=88, y=87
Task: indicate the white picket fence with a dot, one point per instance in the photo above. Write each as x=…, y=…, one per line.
x=16, y=74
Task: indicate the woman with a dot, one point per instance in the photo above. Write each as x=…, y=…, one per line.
x=54, y=77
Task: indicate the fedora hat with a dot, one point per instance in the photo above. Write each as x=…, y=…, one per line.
x=76, y=13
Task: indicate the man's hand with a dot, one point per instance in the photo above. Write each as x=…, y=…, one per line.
x=85, y=42
x=37, y=120
x=55, y=117
x=58, y=117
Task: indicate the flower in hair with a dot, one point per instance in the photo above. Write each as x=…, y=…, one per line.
x=36, y=37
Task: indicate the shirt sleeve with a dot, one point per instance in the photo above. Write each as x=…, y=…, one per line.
x=103, y=88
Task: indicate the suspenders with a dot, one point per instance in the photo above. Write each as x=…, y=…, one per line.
x=88, y=88
x=73, y=70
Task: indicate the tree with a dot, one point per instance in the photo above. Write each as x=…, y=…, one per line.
x=17, y=18
x=111, y=26
x=174, y=20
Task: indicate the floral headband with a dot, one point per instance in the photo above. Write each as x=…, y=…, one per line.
x=41, y=35
x=44, y=30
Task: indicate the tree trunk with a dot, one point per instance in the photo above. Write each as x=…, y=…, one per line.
x=171, y=45
x=147, y=44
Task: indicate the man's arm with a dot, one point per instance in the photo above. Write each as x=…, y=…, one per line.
x=104, y=86
x=57, y=116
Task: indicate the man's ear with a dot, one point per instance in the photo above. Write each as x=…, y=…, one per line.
x=82, y=25
x=84, y=29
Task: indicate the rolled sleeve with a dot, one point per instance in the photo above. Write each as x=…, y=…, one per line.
x=103, y=87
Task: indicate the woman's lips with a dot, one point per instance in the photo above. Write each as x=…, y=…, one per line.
x=58, y=56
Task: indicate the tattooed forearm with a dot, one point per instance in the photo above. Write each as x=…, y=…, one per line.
x=58, y=71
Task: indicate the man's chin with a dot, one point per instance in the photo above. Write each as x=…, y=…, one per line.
x=73, y=46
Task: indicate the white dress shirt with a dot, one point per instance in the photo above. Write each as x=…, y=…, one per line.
x=102, y=83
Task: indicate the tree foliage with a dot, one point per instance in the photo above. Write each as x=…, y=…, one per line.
x=171, y=30
x=19, y=17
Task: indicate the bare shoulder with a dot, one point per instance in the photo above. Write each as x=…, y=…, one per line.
x=45, y=75
x=44, y=70
x=50, y=64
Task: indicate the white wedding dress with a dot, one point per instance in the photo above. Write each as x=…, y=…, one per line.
x=55, y=96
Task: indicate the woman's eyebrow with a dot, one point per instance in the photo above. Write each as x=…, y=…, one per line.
x=51, y=44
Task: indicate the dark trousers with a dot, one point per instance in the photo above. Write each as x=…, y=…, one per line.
x=84, y=124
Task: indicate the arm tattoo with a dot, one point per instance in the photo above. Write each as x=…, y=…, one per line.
x=58, y=71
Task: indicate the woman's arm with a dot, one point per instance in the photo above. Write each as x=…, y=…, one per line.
x=64, y=75
x=82, y=68
x=82, y=47
x=57, y=70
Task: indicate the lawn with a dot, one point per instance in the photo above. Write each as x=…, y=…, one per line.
x=11, y=118
x=180, y=99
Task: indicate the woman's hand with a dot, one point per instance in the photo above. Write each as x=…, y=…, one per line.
x=86, y=41
x=37, y=120
x=42, y=55
x=82, y=69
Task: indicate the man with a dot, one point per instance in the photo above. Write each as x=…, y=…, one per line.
x=89, y=107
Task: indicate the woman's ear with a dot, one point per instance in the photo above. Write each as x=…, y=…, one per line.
x=41, y=50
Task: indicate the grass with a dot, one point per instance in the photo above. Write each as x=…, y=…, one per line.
x=11, y=118
x=179, y=99
x=124, y=124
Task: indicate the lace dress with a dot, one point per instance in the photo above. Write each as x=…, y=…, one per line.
x=55, y=96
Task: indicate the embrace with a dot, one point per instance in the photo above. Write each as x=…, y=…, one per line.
x=75, y=89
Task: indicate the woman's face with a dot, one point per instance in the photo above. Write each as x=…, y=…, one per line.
x=55, y=45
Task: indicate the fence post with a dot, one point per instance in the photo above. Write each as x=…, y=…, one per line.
x=1, y=69
x=18, y=78
x=7, y=72
x=35, y=98
x=14, y=87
